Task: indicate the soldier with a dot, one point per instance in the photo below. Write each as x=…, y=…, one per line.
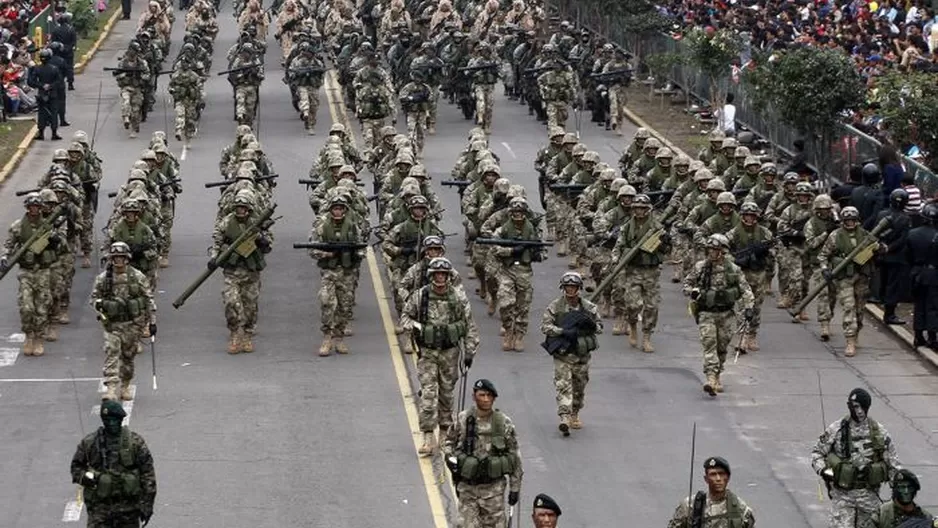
x=415, y=102
x=558, y=87
x=484, y=437
x=402, y=244
x=751, y=245
x=133, y=78
x=639, y=282
x=288, y=21
x=716, y=507
x=185, y=86
x=242, y=271
x=483, y=84
x=638, y=171
x=617, y=84
x=338, y=270
x=35, y=295
x=922, y=254
x=855, y=456
x=123, y=300
x=715, y=285
x=115, y=470
x=515, y=277
x=724, y=158
x=752, y=168
x=791, y=258
x=373, y=99
x=139, y=238
x=246, y=82
x=304, y=75
x=816, y=231
x=570, y=324
x=853, y=282
x=634, y=150
x=439, y=320
x=231, y=153
x=545, y=511
x=902, y=507
x=62, y=272
x=737, y=169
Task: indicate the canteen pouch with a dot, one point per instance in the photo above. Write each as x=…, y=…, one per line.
x=468, y=467
x=844, y=475
x=105, y=488
x=876, y=475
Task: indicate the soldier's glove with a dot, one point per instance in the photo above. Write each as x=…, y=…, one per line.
x=748, y=314
x=263, y=241
x=828, y=276
x=665, y=238
x=513, y=497
x=211, y=265
x=4, y=264
x=453, y=464
x=517, y=251
x=827, y=474
x=695, y=293
x=467, y=362
x=87, y=480
x=152, y=329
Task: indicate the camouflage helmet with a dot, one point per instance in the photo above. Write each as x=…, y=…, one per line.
x=729, y=143
x=752, y=161
x=607, y=175
x=850, y=213
x=387, y=130
x=32, y=198
x=242, y=130
x=244, y=198
x=338, y=200
x=160, y=148
x=148, y=155
x=791, y=178
x=60, y=186
x=409, y=191
x=598, y=168
x=60, y=155
x=137, y=174
x=570, y=139
x=741, y=152
x=804, y=188
x=247, y=155
x=501, y=185
x=255, y=145
x=439, y=264
x=717, y=136
x=80, y=136
x=696, y=165
x=348, y=169
x=571, y=278
x=768, y=167
x=158, y=135
x=682, y=161
x=642, y=133
x=404, y=157
x=335, y=161
x=48, y=196
x=490, y=167
x=823, y=201
x=555, y=132
x=750, y=208
x=642, y=201
x=75, y=146
x=410, y=181
x=247, y=139
x=347, y=184
x=518, y=205
x=579, y=150
x=718, y=241
x=626, y=190
x=651, y=143
x=726, y=198
x=131, y=206
x=618, y=184
x=716, y=184
x=664, y=153
x=119, y=249
x=337, y=128
x=433, y=241
x=516, y=191
x=477, y=146
x=418, y=201
x=419, y=172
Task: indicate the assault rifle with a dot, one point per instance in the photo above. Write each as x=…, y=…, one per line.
x=534, y=72
x=512, y=242
x=24, y=192
x=311, y=70
x=240, y=69
x=37, y=242
x=570, y=190
x=115, y=71
x=459, y=184
x=334, y=247
x=263, y=222
x=416, y=98
x=648, y=243
x=226, y=183
x=612, y=74
x=315, y=183
x=480, y=67
x=114, y=194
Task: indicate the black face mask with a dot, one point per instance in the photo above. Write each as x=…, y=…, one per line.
x=112, y=425
x=904, y=493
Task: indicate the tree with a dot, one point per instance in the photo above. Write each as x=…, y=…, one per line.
x=909, y=106
x=808, y=88
x=714, y=53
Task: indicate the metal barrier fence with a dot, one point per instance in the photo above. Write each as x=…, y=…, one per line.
x=40, y=21
x=850, y=147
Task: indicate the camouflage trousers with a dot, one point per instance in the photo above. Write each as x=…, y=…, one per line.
x=580, y=236
x=371, y=129
x=571, y=374
x=716, y=332
x=336, y=299
x=286, y=45
x=617, y=102
x=437, y=371
x=86, y=237
x=60, y=279
x=692, y=254
x=434, y=103
x=102, y=518
x=641, y=294
x=34, y=299
x=484, y=105
x=417, y=128
x=508, y=75
x=239, y=295
x=851, y=295
x=186, y=120
x=825, y=301
x=131, y=107
x=482, y=505
x=121, y=341
x=853, y=508
x=757, y=281
x=554, y=212
x=246, y=104
x=309, y=104
x=556, y=113
x=167, y=217
x=791, y=276
x=515, y=292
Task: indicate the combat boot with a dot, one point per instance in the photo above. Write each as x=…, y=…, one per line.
x=247, y=343
x=164, y=262
x=326, y=347
x=562, y=248
x=234, y=342
x=429, y=445
x=507, y=343
x=710, y=387
x=28, y=345
x=111, y=393
x=633, y=334
x=518, y=344
x=676, y=278
x=851, y=348
x=825, y=330
x=575, y=422
x=564, y=424
x=340, y=346
x=803, y=316
x=85, y=261
x=51, y=334
x=618, y=328
x=646, y=343
x=719, y=386
x=63, y=317
x=752, y=343
x=38, y=349
x=127, y=393
x=491, y=305
x=783, y=301
x=348, y=332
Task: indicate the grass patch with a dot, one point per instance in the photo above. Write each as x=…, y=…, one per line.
x=11, y=135
x=85, y=43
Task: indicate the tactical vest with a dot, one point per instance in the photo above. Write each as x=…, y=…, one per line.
x=511, y=232
x=733, y=516
x=847, y=475
x=745, y=238
x=344, y=233
x=818, y=226
x=133, y=237
x=123, y=310
x=254, y=261
x=558, y=88
x=120, y=483
x=412, y=235
x=713, y=299
x=844, y=245
x=373, y=103
x=440, y=336
x=890, y=518
x=492, y=467
x=720, y=223
x=633, y=234
x=30, y=260
x=585, y=341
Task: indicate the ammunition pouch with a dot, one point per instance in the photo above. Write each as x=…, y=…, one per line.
x=442, y=337
x=474, y=470
x=585, y=344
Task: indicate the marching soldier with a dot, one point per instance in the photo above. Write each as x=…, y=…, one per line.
x=855, y=456
x=816, y=231
x=483, y=84
x=133, y=78
x=791, y=232
x=115, y=469
x=304, y=75
x=570, y=325
x=139, y=238
x=439, y=319
x=246, y=75
x=415, y=102
x=902, y=507
x=123, y=299
x=715, y=285
x=716, y=507
x=484, y=438
x=402, y=242
x=751, y=246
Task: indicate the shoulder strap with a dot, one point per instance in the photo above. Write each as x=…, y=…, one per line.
x=697, y=509
x=876, y=437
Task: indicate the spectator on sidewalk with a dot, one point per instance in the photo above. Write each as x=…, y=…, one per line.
x=726, y=117
x=842, y=194
x=914, y=207
x=891, y=167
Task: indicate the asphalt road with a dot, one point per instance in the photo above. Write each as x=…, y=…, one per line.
x=284, y=438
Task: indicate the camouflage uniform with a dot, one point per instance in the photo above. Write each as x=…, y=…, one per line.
x=618, y=86
x=415, y=101
x=247, y=84
x=373, y=103
x=132, y=87
x=139, y=237
x=185, y=86
x=791, y=231
x=558, y=88
x=231, y=153
x=751, y=246
x=62, y=272
x=304, y=75
x=729, y=513
x=483, y=84
x=816, y=232
x=402, y=244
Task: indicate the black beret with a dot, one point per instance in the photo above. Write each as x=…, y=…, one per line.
x=717, y=462
x=112, y=408
x=544, y=501
x=862, y=397
x=486, y=385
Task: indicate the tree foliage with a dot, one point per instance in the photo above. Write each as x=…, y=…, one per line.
x=84, y=19
x=638, y=17
x=909, y=106
x=808, y=88
x=713, y=52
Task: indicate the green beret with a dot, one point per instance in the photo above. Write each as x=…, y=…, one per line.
x=112, y=408
x=717, y=463
x=544, y=501
x=486, y=385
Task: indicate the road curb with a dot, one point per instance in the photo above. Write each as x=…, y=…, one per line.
x=875, y=311
x=21, y=149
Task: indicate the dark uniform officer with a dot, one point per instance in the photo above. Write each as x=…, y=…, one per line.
x=893, y=270
x=545, y=511
x=64, y=32
x=115, y=468
x=718, y=507
x=922, y=256
x=58, y=60
x=46, y=79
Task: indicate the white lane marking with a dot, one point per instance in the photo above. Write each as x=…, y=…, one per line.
x=185, y=151
x=8, y=356
x=73, y=511
x=101, y=388
x=17, y=338
x=508, y=148
x=45, y=380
